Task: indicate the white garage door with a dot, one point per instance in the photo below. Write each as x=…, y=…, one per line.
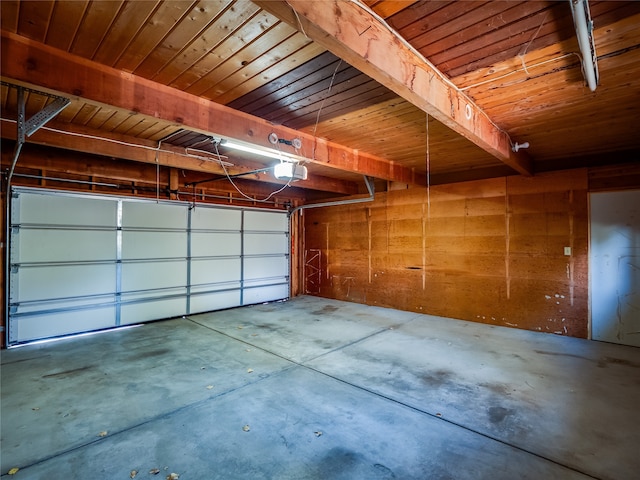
x=81, y=263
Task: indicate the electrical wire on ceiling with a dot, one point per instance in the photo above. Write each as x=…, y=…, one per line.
x=157, y=150
x=326, y=95
x=299, y=22
x=135, y=145
x=517, y=70
x=266, y=199
x=524, y=52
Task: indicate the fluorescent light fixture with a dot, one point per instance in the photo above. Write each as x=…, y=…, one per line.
x=584, y=31
x=257, y=151
x=287, y=169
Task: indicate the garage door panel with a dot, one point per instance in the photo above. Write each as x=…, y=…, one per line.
x=217, y=243
x=153, y=215
x=215, y=301
x=34, y=327
x=265, y=221
x=216, y=219
x=153, y=275
x=256, y=244
x=265, y=294
x=44, y=245
x=64, y=281
x=152, y=310
x=265, y=267
x=216, y=271
x=137, y=245
x=45, y=208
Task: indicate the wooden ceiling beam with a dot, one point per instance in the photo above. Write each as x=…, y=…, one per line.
x=31, y=63
x=349, y=30
x=121, y=146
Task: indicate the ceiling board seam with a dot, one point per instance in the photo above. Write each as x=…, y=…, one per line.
x=194, y=37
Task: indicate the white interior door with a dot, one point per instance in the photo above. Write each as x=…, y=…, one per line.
x=615, y=267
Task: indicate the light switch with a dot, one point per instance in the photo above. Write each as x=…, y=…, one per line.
x=567, y=251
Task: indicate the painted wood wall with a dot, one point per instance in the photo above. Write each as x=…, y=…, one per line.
x=490, y=251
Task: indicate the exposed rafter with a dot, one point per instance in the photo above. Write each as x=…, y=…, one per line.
x=144, y=151
x=27, y=62
x=352, y=32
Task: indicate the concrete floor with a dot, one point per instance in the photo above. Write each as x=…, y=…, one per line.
x=324, y=390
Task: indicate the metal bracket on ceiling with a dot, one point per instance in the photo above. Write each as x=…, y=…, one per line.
x=47, y=113
x=27, y=127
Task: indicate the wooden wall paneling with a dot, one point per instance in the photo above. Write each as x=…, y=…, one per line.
x=546, y=216
x=615, y=177
x=490, y=251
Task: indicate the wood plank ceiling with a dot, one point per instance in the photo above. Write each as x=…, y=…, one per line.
x=517, y=60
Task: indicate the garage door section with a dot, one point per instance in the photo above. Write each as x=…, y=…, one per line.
x=63, y=265
x=81, y=263
x=266, y=256
x=216, y=259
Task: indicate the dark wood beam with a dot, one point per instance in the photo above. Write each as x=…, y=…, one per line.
x=39, y=66
x=360, y=38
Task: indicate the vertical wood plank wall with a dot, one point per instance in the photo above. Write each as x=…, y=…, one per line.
x=490, y=251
